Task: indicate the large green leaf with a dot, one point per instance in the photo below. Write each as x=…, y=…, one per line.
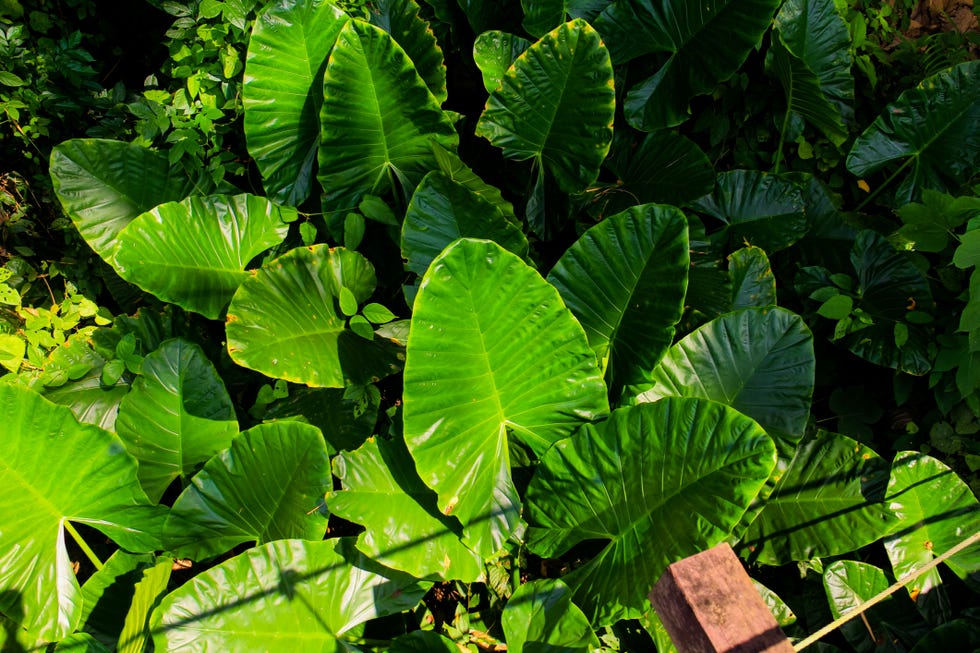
x=494, y=357
x=625, y=280
x=655, y=483
x=756, y=207
x=104, y=184
x=108, y=593
x=664, y=167
x=934, y=128
x=90, y=400
x=177, y=415
x=707, y=41
x=285, y=320
x=401, y=19
x=848, y=584
x=555, y=105
x=493, y=52
x=302, y=596
x=405, y=530
x=135, y=632
x=442, y=211
x=936, y=511
x=541, y=618
x=454, y=168
x=759, y=361
x=827, y=502
x=377, y=121
x=283, y=89
x=267, y=486
x=193, y=253
x=811, y=58
x=54, y=469
x=753, y=283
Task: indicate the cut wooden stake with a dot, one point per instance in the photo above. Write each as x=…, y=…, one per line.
x=708, y=604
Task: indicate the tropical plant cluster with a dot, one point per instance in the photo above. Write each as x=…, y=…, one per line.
x=384, y=326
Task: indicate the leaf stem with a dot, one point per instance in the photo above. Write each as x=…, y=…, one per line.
x=83, y=545
x=881, y=596
x=782, y=140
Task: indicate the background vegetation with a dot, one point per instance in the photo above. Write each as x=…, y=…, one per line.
x=818, y=157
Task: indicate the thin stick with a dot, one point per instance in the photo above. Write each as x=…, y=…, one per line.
x=83, y=545
x=973, y=539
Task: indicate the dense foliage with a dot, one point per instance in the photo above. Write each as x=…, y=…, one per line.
x=387, y=326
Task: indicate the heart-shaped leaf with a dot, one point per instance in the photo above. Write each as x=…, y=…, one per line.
x=759, y=361
x=625, y=280
x=555, y=105
x=378, y=120
x=493, y=53
x=176, y=416
x=55, y=470
x=266, y=486
x=401, y=19
x=405, y=530
x=104, y=184
x=283, y=89
x=706, y=42
x=284, y=321
x=756, y=207
x=933, y=128
x=193, y=253
x=494, y=359
x=689, y=467
x=301, y=595
x=827, y=502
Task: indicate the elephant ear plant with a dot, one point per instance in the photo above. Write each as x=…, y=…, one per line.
x=519, y=359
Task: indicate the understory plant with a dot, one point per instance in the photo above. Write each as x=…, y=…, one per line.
x=453, y=377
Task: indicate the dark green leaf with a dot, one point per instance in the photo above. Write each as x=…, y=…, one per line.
x=753, y=283
x=494, y=52
x=929, y=225
x=933, y=128
x=555, y=105
x=625, y=280
x=400, y=18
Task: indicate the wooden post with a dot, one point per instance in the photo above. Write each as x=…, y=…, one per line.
x=708, y=605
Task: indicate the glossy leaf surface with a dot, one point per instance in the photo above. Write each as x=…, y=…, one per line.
x=267, y=486
x=283, y=90
x=284, y=321
x=555, y=105
x=685, y=466
x=936, y=511
x=540, y=617
x=400, y=18
x=176, y=416
x=827, y=502
x=759, y=361
x=305, y=596
x=54, y=469
x=405, y=530
x=625, y=280
x=442, y=211
x=493, y=357
x=377, y=121
x=103, y=185
x=193, y=253
x=705, y=41
x=933, y=129
x=753, y=283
